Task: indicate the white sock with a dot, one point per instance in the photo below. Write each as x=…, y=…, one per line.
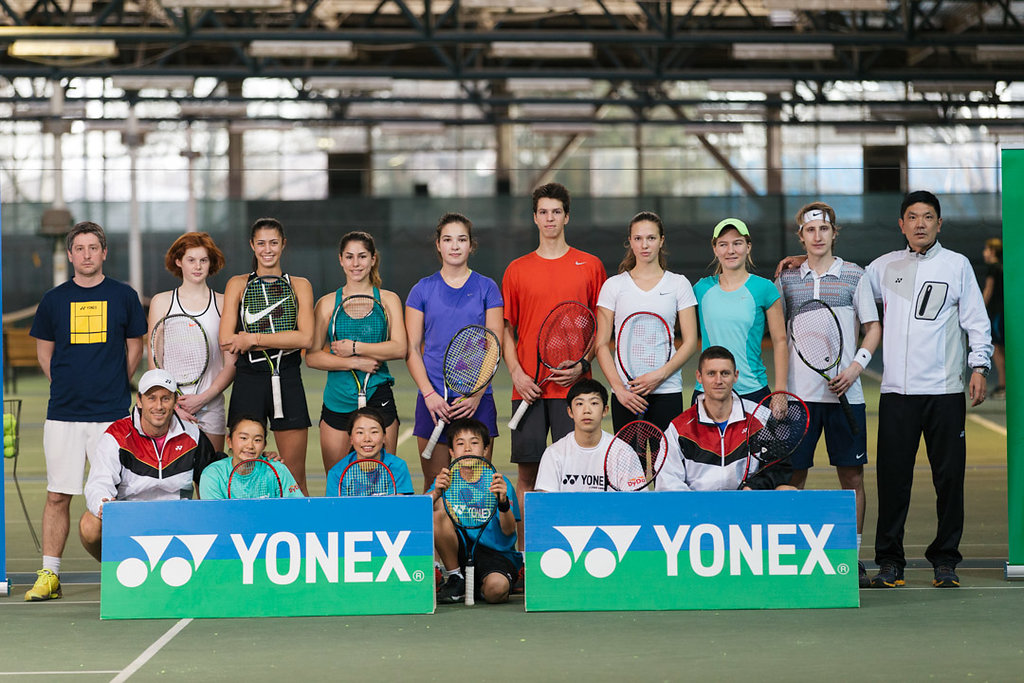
x=456, y=572
x=858, y=542
x=52, y=563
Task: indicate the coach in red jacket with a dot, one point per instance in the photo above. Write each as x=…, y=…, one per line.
x=707, y=444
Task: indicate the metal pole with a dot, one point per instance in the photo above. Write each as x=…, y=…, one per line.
x=134, y=228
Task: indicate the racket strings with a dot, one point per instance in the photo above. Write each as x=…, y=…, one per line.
x=179, y=346
x=468, y=497
x=470, y=361
x=361, y=318
x=780, y=433
x=645, y=345
x=566, y=334
x=366, y=478
x=272, y=296
x=636, y=456
x=816, y=336
x=254, y=478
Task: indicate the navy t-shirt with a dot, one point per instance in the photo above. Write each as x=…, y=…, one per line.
x=89, y=369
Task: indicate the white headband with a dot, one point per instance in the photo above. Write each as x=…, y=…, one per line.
x=814, y=215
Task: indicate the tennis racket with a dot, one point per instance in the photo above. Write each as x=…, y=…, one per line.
x=635, y=457
x=178, y=345
x=361, y=318
x=367, y=477
x=564, y=339
x=254, y=478
x=773, y=434
x=268, y=306
x=644, y=343
x=470, y=362
x=471, y=506
x=818, y=341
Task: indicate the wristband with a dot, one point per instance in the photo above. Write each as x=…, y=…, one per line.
x=584, y=366
x=863, y=356
x=354, y=348
x=432, y=392
x=506, y=506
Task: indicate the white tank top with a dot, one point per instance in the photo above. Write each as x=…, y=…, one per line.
x=209, y=319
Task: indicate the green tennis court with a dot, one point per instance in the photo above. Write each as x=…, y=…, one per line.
x=915, y=632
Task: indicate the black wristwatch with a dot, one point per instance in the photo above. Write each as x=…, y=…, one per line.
x=584, y=366
x=981, y=370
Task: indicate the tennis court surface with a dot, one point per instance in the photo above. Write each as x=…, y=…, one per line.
x=910, y=633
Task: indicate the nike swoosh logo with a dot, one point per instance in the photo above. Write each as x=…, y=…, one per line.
x=249, y=318
x=581, y=263
x=665, y=293
x=384, y=403
x=861, y=456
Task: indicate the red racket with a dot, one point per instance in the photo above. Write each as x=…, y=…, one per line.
x=565, y=338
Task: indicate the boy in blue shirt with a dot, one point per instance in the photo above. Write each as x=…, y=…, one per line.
x=497, y=560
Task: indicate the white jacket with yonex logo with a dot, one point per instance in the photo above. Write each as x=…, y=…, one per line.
x=931, y=300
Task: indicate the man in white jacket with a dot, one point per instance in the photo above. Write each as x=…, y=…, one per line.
x=931, y=300
x=149, y=455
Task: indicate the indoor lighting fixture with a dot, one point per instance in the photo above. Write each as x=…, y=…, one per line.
x=62, y=48
x=999, y=53
x=828, y=5
x=321, y=49
x=783, y=51
x=153, y=82
x=541, y=50
x=766, y=86
x=349, y=84
x=224, y=4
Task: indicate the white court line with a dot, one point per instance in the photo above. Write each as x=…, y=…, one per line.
x=985, y=422
x=404, y=436
x=56, y=673
x=150, y=651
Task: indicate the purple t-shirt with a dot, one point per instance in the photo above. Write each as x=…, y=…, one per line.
x=446, y=311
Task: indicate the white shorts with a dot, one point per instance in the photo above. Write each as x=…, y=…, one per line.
x=66, y=445
x=211, y=419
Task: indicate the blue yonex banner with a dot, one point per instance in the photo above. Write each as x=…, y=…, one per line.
x=287, y=557
x=691, y=550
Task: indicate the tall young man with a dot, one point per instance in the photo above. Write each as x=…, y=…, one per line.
x=533, y=285
x=88, y=341
x=931, y=300
x=843, y=286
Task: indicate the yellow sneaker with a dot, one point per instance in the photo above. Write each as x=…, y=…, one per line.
x=47, y=587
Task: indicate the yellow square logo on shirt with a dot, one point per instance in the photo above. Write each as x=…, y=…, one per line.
x=88, y=322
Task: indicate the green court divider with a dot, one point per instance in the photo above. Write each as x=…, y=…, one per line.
x=5, y=585
x=1013, y=278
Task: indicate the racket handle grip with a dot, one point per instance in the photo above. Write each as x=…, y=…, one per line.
x=470, y=585
x=520, y=411
x=362, y=401
x=275, y=391
x=428, y=450
x=848, y=411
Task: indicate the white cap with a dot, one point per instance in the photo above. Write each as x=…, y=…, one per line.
x=157, y=378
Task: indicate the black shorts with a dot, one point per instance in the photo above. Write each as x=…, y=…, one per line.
x=382, y=400
x=252, y=395
x=487, y=561
x=531, y=438
x=661, y=410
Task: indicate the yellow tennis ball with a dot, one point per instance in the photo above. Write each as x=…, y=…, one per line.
x=8, y=451
x=8, y=422
x=8, y=441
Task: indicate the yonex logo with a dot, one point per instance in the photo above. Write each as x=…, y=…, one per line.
x=591, y=480
x=176, y=571
x=461, y=510
x=599, y=562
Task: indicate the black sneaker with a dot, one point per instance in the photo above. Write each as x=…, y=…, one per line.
x=888, y=576
x=862, y=576
x=453, y=590
x=945, y=577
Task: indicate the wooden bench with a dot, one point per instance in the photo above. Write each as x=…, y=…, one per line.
x=19, y=352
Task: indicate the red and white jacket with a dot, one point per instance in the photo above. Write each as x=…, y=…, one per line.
x=128, y=466
x=703, y=458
